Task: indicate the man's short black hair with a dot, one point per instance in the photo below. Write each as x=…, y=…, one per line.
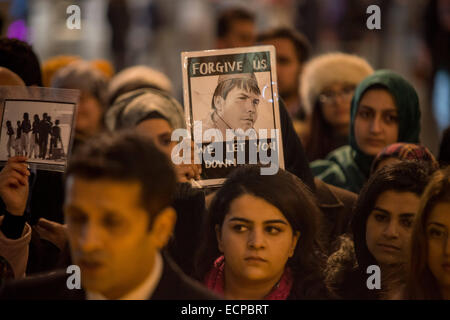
x=127, y=156
x=300, y=42
x=19, y=57
x=227, y=17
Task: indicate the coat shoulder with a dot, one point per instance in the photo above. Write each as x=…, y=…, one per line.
x=347, y=197
x=45, y=286
x=175, y=285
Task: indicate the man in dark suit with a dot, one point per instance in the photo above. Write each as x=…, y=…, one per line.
x=117, y=208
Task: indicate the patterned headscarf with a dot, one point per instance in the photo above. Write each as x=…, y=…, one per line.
x=405, y=151
x=406, y=101
x=131, y=108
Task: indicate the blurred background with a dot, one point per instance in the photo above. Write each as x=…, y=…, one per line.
x=413, y=40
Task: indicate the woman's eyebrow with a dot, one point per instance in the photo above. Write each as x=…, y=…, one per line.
x=275, y=221
x=363, y=106
x=240, y=219
x=407, y=215
x=368, y=108
x=265, y=222
x=390, y=110
x=381, y=210
x=437, y=224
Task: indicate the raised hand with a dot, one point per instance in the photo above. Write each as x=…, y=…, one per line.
x=14, y=186
x=186, y=172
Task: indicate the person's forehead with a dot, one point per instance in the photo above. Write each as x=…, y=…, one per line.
x=282, y=44
x=242, y=25
x=398, y=202
x=441, y=214
x=154, y=127
x=241, y=90
x=254, y=209
x=379, y=99
x=103, y=193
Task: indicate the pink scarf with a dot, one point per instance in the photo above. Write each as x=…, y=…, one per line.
x=215, y=281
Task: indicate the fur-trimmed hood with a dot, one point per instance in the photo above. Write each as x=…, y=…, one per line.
x=340, y=266
x=327, y=69
x=344, y=277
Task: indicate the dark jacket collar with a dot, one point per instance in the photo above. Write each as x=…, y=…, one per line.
x=173, y=285
x=326, y=198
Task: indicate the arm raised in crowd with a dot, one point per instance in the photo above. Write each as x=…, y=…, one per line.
x=15, y=234
x=14, y=185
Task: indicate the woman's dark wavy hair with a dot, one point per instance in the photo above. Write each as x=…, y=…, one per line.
x=405, y=176
x=420, y=283
x=291, y=196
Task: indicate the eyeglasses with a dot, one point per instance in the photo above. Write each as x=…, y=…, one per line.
x=331, y=96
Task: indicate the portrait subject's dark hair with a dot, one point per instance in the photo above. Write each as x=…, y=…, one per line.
x=127, y=156
x=224, y=87
x=300, y=42
x=287, y=193
x=227, y=17
x=19, y=57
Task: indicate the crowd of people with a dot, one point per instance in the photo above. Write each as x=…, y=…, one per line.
x=32, y=139
x=359, y=194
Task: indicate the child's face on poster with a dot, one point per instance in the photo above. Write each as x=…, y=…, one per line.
x=239, y=109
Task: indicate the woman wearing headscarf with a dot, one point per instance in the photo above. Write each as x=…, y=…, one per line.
x=327, y=87
x=384, y=110
x=400, y=151
x=156, y=114
x=93, y=84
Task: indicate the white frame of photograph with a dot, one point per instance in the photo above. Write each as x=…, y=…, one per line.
x=198, y=90
x=61, y=102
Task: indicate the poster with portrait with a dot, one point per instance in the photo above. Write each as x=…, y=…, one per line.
x=37, y=123
x=231, y=110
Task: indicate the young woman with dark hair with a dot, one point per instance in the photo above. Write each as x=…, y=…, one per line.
x=381, y=230
x=428, y=267
x=261, y=239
